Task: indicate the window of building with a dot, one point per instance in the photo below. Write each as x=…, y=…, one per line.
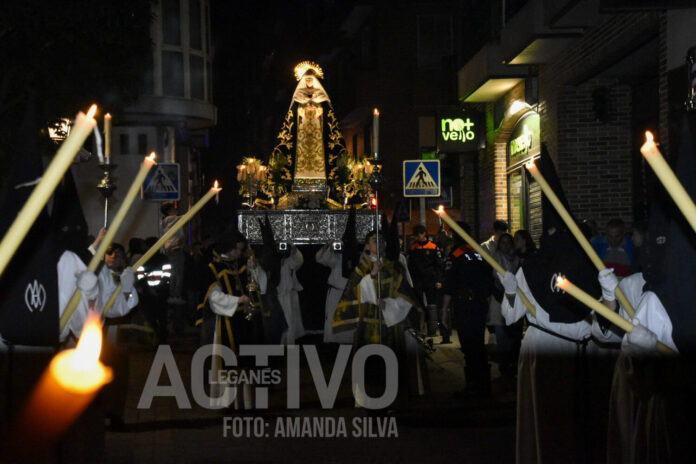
x=195, y=29
x=172, y=74
x=434, y=39
x=142, y=144
x=123, y=142
x=197, y=77
x=171, y=22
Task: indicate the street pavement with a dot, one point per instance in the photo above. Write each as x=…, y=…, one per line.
x=435, y=427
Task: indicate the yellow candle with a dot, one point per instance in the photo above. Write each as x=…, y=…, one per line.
x=84, y=124
x=575, y=230
x=488, y=258
x=669, y=179
x=242, y=170
x=107, y=137
x=586, y=299
x=128, y=200
x=169, y=234
x=66, y=388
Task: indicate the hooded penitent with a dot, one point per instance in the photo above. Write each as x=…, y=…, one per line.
x=670, y=263
x=29, y=285
x=558, y=253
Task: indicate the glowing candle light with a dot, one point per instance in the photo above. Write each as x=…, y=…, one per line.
x=64, y=391
x=375, y=131
x=369, y=168
x=575, y=230
x=107, y=137
x=128, y=200
x=181, y=222
x=669, y=179
x=586, y=299
x=484, y=254
x=241, y=171
x=84, y=124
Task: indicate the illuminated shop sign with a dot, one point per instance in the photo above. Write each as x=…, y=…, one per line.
x=524, y=140
x=459, y=131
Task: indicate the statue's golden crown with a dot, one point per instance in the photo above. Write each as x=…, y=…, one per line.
x=305, y=66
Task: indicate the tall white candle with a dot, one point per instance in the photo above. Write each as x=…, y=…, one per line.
x=375, y=131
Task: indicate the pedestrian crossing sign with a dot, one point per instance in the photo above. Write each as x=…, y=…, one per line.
x=162, y=183
x=422, y=178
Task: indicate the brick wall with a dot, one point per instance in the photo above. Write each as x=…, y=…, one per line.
x=594, y=157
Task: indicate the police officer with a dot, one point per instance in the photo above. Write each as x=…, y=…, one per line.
x=468, y=283
x=426, y=267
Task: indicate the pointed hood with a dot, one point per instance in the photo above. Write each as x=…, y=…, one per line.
x=671, y=247
x=558, y=253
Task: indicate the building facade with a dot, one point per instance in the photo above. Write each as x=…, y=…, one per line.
x=172, y=118
x=586, y=79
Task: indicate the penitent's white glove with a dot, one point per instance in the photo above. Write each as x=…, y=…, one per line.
x=640, y=341
x=127, y=280
x=87, y=283
x=221, y=303
x=609, y=282
x=509, y=282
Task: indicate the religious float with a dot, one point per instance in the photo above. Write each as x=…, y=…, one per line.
x=310, y=180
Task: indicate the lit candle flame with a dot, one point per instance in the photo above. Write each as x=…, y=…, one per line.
x=648, y=137
x=89, y=346
x=107, y=116
x=92, y=111
x=440, y=209
x=152, y=157
x=560, y=280
x=530, y=164
x=216, y=186
x=376, y=112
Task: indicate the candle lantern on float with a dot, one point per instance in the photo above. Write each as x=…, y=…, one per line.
x=252, y=175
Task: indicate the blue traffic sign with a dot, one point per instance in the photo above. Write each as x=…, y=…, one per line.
x=162, y=182
x=422, y=178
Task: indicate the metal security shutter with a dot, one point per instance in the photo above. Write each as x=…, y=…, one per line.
x=535, y=217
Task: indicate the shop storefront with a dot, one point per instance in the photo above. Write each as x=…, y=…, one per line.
x=524, y=195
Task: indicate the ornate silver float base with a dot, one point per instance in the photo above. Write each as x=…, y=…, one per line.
x=304, y=227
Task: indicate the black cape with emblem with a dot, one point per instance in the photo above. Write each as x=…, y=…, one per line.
x=29, y=284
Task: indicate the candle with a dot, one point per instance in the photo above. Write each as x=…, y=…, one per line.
x=575, y=230
x=375, y=131
x=107, y=137
x=669, y=179
x=369, y=168
x=251, y=167
x=128, y=200
x=586, y=299
x=488, y=258
x=84, y=124
x=64, y=391
x=169, y=234
x=241, y=171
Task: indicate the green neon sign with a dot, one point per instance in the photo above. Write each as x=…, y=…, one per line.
x=457, y=129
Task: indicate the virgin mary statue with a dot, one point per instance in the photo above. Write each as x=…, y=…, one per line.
x=310, y=141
